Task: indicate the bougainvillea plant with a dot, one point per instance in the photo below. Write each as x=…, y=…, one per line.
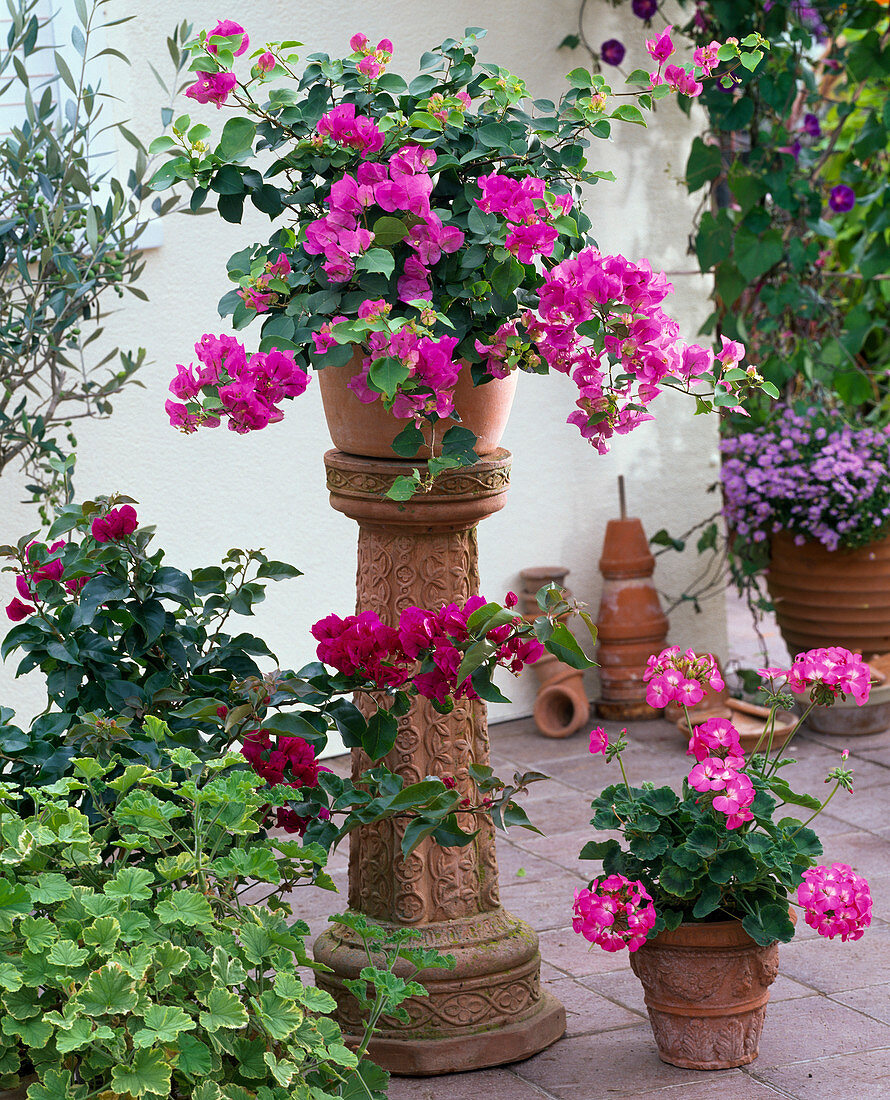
x=719, y=850
x=422, y=225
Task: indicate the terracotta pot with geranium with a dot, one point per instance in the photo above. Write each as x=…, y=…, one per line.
x=808, y=499
x=699, y=892
x=426, y=232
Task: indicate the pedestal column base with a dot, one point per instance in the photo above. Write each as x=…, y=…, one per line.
x=489, y=1009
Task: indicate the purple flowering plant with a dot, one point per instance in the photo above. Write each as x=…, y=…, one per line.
x=422, y=227
x=811, y=474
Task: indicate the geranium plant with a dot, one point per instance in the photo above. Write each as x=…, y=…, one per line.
x=422, y=225
x=724, y=847
x=135, y=961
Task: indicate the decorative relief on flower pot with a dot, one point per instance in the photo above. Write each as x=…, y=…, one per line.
x=490, y=1009
x=706, y=988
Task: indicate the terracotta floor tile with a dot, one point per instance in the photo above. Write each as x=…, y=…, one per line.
x=623, y=1062
x=874, y=1000
x=567, y=951
x=833, y=967
x=586, y=1011
x=863, y=1076
x=544, y=904
x=487, y=1084
x=816, y=1027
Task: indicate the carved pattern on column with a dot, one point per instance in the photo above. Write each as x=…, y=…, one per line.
x=396, y=570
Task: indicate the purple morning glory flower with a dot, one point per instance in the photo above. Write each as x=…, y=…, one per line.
x=811, y=126
x=644, y=9
x=612, y=52
x=842, y=198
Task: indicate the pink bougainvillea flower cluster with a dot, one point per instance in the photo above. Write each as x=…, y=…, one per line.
x=675, y=677
x=263, y=292
x=639, y=339
x=716, y=746
x=401, y=185
x=286, y=762
x=836, y=901
x=215, y=87
x=528, y=215
x=343, y=126
x=116, y=524
x=373, y=60
x=25, y=603
x=825, y=674
x=426, y=649
x=432, y=372
x=613, y=913
x=249, y=389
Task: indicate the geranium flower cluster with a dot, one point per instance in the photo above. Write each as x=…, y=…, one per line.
x=246, y=391
x=836, y=901
x=826, y=674
x=286, y=762
x=716, y=746
x=614, y=913
x=683, y=678
x=812, y=475
x=639, y=342
x=403, y=184
x=426, y=649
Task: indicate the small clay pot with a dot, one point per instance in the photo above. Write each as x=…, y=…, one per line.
x=706, y=987
x=368, y=430
x=630, y=625
x=561, y=707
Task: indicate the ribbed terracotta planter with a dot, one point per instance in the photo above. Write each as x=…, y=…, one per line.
x=368, y=430
x=706, y=987
x=831, y=597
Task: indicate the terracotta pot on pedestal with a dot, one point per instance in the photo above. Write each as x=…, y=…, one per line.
x=561, y=706
x=490, y=1009
x=831, y=597
x=630, y=625
x=369, y=429
x=706, y=987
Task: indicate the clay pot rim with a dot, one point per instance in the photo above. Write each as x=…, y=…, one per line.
x=724, y=933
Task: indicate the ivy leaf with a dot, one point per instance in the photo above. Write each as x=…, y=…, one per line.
x=188, y=907
x=733, y=863
x=14, y=902
x=102, y=934
x=194, y=1057
x=149, y=1072
x=163, y=1023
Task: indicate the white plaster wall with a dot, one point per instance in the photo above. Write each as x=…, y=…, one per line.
x=213, y=490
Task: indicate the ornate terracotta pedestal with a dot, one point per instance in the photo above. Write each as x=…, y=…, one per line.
x=490, y=1008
